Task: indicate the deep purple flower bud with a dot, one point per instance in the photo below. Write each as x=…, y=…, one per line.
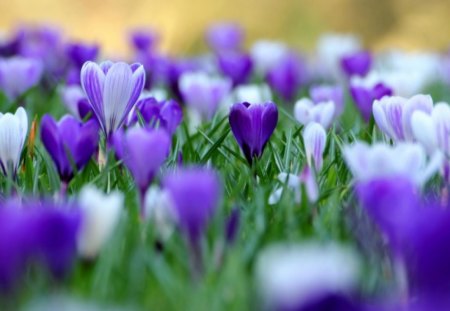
x=238, y=66
x=143, y=152
x=69, y=142
x=195, y=193
x=79, y=53
x=224, y=36
x=166, y=114
x=18, y=74
x=325, y=93
x=252, y=125
x=357, y=64
x=143, y=40
x=112, y=90
x=287, y=76
x=232, y=226
x=365, y=92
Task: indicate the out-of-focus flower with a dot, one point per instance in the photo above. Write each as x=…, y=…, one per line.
x=143, y=39
x=331, y=48
x=225, y=36
x=143, y=152
x=75, y=100
x=235, y=65
x=69, y=142
x=306, y=111
x=19, y=74
x=252, y=93
x=357, y=64
x=79, y=53
x=100, y=215
x=195, y=193
x=324, y=93
x=365, y=90
x=112, y=90
x=166, y=114
x=292, y=276
x=204, y=93
x=13, y=131
x=159, y=210
x=315, y=140
x=252, y=125
x=393, y=114
x=408, y=160
x=432, y=129
x=267, y=54
x=287, y=75
x=9, y=46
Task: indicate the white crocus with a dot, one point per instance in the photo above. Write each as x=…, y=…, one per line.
x=306, y=111
x=101, y=214
x=252, y=93
x=13, y=131
x=266, y=54
x=290, y=275
x=159, y=211
x=381, y=160
x=315, y=140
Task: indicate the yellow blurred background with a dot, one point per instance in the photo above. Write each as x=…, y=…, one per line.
x=412, y=24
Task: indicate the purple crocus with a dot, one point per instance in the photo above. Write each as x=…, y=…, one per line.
x=236, y=65
x=75, y=100
x=112, y=90
x=287, y=76
x=357, y=64
x=19, y=74
x=143, y=39
x=143, y=152
x=167, y=114
x=365, y=91
x=224, y=36
x=252, y=125
x=325, y=93
x=203, y=188
x=69, y=142
x=79, y=53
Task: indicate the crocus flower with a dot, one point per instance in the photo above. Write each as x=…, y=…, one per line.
x=287, y=76
x=13, y=131
x=315, y=140
x=203, y=93
x=19, y=74
x=357, y=64
x=252, y=125
x=203, y=188
x=235, y=65
x=381, y=160
x=167, y=114
x=69, y=142
x=306, y=111
x=224, y=36
x=75, y=100
x=100, y=215
x=267, y=54
x=112, y=90
x=252, y=93
x=393, y=114
x=292, y=276
x=159, y=210
x=143, y=152
x=365, y=90
x=79, y=53
x=143, y=40
x=324, y=93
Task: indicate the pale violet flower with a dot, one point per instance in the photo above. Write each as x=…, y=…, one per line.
x=306, y=111
x=13, y=131
x=407, y=160
x=101, y=214
x=159, y=210
x=266, y=54
x=252, y=93
x=393, y=114
x=315, y=140
x=290, y=275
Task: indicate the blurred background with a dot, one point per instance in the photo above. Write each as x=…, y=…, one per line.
x=411, y=24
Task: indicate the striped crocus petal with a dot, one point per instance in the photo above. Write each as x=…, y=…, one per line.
x=93, y=80
x=441, y=118
x=315, y=139
x=416, y=103
x=388, y=114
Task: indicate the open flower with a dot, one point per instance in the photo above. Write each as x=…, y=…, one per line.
x=13, y=131
x=18, y=74
x=100, y=215
x=112, y=90
x=69, y=142
x=252, y=125
x=306, y=111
